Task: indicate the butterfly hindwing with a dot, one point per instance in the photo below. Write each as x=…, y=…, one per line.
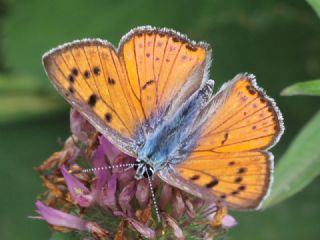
x=230, y=162
x=245, y=120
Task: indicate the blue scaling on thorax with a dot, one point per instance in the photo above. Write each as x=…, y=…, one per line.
x=166, y=141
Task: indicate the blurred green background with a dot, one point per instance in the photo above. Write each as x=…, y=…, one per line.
x=278, y=40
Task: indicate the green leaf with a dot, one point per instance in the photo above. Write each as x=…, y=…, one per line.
x=63, y=236
x=299, y=165
x=315, y=4
x=311, y=88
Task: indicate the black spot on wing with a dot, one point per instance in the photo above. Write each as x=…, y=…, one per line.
x=111, y=81
x=71, y=90
x=96, y=71
x=86, y=74
x=71, y=78
x=92, y=100
x=242, y=170
x=147, y=84
x=251, y=90
x=225, y=138
x=238, y=180
x=223, y=196
x=108, y=117
x=212, y=183
x=74, y=72
x=191, y=48
x=236, y=192
x=195, y=177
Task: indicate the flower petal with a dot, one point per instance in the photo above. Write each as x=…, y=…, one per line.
x=229, y=222
x=177, y=204
x=125, y=175
x=177, y=231
x=97, y=231
x=190, y=209
x=143, y=192
x=109, y=149
x=109, y=198
x=103, y=174
x=126, y=196
x=59, y=218
x=142, y=229
x=165, y=196
x=79, y=126
x=218, y=216
x=78, y=191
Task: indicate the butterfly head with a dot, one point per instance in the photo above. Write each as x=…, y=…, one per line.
x=143, y=169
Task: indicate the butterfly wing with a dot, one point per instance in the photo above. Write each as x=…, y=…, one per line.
x=118, y=90
x=164, y=68
x=89, y=75
x=231, y=163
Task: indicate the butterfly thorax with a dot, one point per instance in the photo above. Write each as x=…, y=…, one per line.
x=173, y=140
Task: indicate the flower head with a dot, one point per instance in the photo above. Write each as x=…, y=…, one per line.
x=108, y=202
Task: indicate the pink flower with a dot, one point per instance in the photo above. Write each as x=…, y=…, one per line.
x=78, y=191
x=228, y=222
x=61, y=219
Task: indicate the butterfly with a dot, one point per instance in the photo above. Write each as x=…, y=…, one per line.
x=152, y=98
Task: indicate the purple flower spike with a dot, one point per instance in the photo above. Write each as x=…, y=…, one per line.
x=178, y=205
x=62, y=219
x=142, y=229
x=165, y=196
x=78, y=191
x=228, y=222
x=59, y=218
x=126, y=196
x=109, y=150
x=104, y=174
x=143, y=193
x=79, y=126
x=108, y=192
x=110, y=196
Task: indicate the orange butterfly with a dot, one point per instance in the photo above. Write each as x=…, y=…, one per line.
x=151, y=97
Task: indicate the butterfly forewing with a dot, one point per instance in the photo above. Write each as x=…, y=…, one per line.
x=230, y=162
x=159, y=63
x=89, y=75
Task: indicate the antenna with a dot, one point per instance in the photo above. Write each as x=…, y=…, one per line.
x=96, y=169
x=153, y=197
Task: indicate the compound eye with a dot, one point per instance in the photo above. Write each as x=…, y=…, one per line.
x=148, y=172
